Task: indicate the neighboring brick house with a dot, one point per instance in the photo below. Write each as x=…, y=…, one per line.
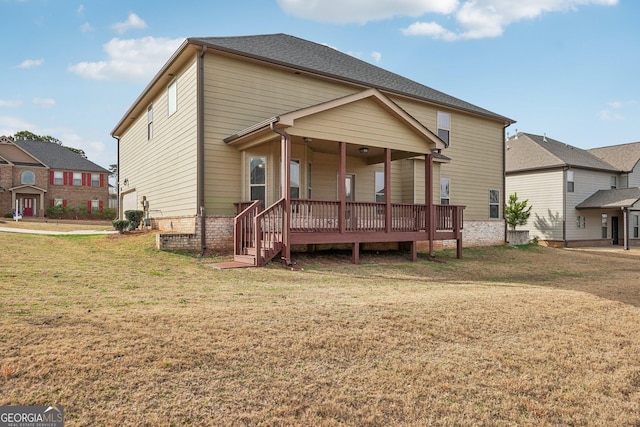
x=35, y=175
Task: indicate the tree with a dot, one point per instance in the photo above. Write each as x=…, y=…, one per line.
x=30, y=136
x=517, y=213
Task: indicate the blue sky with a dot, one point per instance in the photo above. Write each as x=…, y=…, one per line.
x=567, y=68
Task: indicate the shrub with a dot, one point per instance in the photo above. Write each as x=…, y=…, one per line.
x=8, y=215
x=516, y=213
x=134, y=218
x=121, y=225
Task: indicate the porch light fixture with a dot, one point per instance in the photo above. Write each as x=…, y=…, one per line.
x=364, y=150
x=307, y=139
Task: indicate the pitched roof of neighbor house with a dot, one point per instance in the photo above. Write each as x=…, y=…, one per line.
x=10, y=153
x=290, y=51
x=530, y=152
x=58, y=157
x=623, y=156
x=611, y=199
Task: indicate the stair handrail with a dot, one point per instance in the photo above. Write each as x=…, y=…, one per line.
x=244, y=226
x=273, y=234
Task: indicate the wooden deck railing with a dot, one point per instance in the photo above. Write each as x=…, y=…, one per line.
x=244, y=229
x=313, y=216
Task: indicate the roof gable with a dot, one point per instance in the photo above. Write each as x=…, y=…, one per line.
x=344, y=118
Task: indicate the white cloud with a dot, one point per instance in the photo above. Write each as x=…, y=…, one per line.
x=80, y=10
x=362, y=11
x=31, y=63
x=474, y=19
x=133, y=22
x=129, y=59
x=478, y=19
x=9, y=125
x=10, y=103
x=86, y=27
x=377, y=56
x=44, y=102
x=615, y=110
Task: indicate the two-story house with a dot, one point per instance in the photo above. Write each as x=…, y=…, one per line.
x=578, y=197
x=264, y=143
x=35, y=175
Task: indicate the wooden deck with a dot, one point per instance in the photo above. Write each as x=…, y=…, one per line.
x=263, y=234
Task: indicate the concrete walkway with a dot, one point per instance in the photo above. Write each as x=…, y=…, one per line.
x=55, y=233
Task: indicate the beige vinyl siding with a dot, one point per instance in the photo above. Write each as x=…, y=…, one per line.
x=164, y=168
x=544, y=190
x=365, y=123
x=587, y=182
x=477, y=157
x=239, y=94
x=634, y=177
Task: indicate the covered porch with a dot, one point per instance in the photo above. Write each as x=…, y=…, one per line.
x=385, y=211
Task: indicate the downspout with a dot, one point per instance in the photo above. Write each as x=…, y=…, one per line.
x=117, y=138
x=200, y=150
x=564, y=207
x=286, y=187
x=504, y=178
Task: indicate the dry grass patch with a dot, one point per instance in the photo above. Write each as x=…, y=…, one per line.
x=121, y=334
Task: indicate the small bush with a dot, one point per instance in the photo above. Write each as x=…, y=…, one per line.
x=8, y=215
x=120, y=224
x=134, y=218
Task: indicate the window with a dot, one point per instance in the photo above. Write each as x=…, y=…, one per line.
x=570, y=182
x=614, y=182
x=445, y=187
x=379, y=186
x=494, y=203
x=309, y=180
x=95, y=180
x=77, y=178
x=444, y=126
x=258, y=181
x=294, y=179
x=58, y=178
x=150, y=122
x=172, y=97
x=95, y=205
x=58, y=202
x=604, y=226
x=28, y=177
x=636, y=230
x=581, y=222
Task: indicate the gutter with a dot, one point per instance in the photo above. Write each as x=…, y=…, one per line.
x=200, y=150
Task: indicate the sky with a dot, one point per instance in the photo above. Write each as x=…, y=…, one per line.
x=564, y=68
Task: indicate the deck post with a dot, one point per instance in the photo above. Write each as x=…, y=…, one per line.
x=387, y=190
x=342, y=174
x=458, y=231
x=286, y=189
x=355, y=253
x=428, y=199
x=414, y=250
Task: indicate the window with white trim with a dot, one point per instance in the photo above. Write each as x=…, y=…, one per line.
x=58, y=177
x=581, y=222
x=308, y=180
x=58, y=201
x=28, y=177
x=294, y=179
x=379, y=186
x=444, y=126
x=636, y=229
x=258, y=178
x=77, y=178
x=172, y=97
x=605, y=221
x=570, y=182
x=95, y=180
x=494, y=203
x=150, y=122
x=614, y=182
x=95, y=205
x=445, y=188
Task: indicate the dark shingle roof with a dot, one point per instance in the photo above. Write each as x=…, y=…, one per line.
x=283, y=49
x=58, y=157
x=623, y=156
x=611, y=199
x=529, y=152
